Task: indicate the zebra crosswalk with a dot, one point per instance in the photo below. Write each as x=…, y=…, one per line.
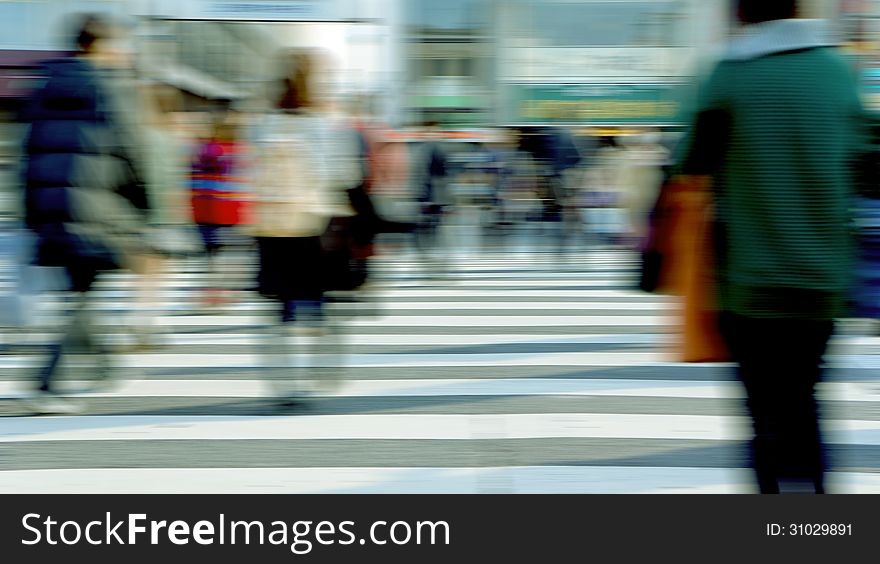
x=508, y=373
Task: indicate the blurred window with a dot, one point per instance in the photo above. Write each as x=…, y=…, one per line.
x=469, y=16
x=570, y=24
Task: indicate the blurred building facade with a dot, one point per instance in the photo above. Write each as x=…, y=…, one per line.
x=450, y=52
x=458, y=62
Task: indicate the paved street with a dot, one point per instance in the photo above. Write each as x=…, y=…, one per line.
x=510, y=373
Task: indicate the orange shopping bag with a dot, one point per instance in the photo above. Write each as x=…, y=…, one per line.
x=690, y=270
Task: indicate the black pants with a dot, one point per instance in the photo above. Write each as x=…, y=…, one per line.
x=291, y=268
x=428, y=229
x=77, y=332
x=780, y=363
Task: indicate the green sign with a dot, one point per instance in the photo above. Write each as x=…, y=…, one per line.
x=597, y=104
x=440, y=101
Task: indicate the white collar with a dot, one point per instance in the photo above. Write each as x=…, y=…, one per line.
x=778, y=36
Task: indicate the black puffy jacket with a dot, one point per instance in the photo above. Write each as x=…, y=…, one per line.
x=83, y=195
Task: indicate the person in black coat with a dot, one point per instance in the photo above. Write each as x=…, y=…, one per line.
x=84, y=195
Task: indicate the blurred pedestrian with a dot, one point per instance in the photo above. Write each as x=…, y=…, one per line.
x=84, y=191
x=219, y=198
x=433, y=190
x=776, y=130
x=866, y=296
x=166, y=166
x=603, y=196
x=640, y=180
x=305, y=163
x=566, y=160
x=352, y=238
x=500, y=167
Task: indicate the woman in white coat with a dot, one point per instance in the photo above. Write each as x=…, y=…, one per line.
x=305, y=161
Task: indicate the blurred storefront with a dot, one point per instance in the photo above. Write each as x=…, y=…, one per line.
x=598, y=63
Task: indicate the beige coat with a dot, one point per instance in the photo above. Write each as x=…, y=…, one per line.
x=304, y=163
x=640, y=177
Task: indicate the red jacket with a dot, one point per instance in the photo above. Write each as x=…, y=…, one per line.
x=218, y=195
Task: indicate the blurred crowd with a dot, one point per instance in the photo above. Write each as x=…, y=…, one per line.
x=119, y=174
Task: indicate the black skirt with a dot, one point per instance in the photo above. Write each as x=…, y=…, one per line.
x=291, y=268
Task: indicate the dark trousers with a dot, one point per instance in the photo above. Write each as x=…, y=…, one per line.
x=428, y=229
x=779, y=363
x=77, y=332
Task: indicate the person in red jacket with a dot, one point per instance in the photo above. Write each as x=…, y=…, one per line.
x=218, y=194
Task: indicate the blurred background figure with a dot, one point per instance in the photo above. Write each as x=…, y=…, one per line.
x=640, y=180
x=305, y=163
x=390, y=172
x=219, y=198
x=472, y=188
x=433, y=196
x=565, y=161
x=521, y=201
x=349, y=242
x=502, y=170
x=782, y=188
x=866, y=298
x=365, y=224
x=867, y=295
x=603, y=196
x=84, y=189
x=166, y=165
x=556, y=157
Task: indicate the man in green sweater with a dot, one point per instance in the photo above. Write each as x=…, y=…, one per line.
x=778, y=128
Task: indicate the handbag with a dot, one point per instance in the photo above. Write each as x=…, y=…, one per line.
x=650, y=269
x=337, y=246
x=689, y=268
x=654, y=251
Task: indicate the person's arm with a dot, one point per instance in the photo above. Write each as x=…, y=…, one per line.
x=351, y=163
x=121, y=106
x=702, y=151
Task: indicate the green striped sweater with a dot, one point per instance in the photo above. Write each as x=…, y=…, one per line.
x=779, y=126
